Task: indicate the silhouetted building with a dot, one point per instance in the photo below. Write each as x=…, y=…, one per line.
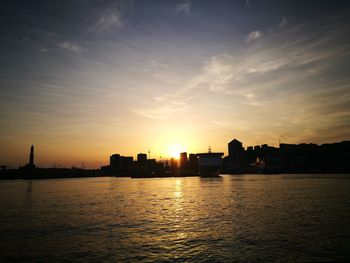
x=234, y=146
x=193, y=162
x=289, y=158
x=151, y=163
x=299, y=158
x=114, y=160
x=183, y=160
x=295, y=158
x=236, y=152
x=142, y=159
x=160, y=165
x=250, y=155
x=258, y=158
x=126, y=162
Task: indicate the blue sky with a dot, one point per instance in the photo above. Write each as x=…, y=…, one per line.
x=84, y=79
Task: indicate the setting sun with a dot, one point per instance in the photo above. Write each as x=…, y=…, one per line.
x=174, y=150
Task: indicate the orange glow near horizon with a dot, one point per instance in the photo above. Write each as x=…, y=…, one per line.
x=174, y=150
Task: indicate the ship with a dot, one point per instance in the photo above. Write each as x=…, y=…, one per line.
x=210, y=163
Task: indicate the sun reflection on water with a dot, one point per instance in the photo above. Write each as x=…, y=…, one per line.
x=178, y=190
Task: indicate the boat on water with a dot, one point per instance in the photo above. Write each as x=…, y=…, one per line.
x=210, y=163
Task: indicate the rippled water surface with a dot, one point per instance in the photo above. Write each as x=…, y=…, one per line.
x=246, y=218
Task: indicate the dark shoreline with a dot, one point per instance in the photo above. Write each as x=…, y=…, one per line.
x=64, y=173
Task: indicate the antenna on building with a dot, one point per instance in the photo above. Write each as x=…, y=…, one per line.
x=149, y=153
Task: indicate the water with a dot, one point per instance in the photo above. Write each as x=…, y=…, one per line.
x=246, y=218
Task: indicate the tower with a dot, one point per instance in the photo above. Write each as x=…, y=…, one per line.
x=31, y=156
x=183, y=160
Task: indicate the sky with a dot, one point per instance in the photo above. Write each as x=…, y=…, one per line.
x=84, y=79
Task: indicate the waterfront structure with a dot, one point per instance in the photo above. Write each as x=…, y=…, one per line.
x=193, y=162
x=114, y=160
x=31, y=156
x=126, y=162
x=30, y=164
x=183, y=160
x=142, y=158
x=210, y=163
x=235, y=152
x=288, y=158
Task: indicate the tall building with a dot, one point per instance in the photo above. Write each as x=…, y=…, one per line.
x=234, y=147
x=126, y=162
x=142, y=159
x=183, y=160
x=114, y=160
x=236, y=152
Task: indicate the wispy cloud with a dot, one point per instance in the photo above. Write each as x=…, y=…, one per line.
x=73, y=47
x=164, y=108
x=184, y=8
x=269, y=66
x=283, y=22
x=254, y=35
x=109, y=19
x=216, y=73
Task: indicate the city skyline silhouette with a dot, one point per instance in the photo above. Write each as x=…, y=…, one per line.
x=261, y=159
x=83, y=79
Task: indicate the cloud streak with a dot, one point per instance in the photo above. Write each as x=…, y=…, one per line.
x=252, y=36
x=73, y=47
x=111, y=18
x=184, y=8
x=162, y=109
